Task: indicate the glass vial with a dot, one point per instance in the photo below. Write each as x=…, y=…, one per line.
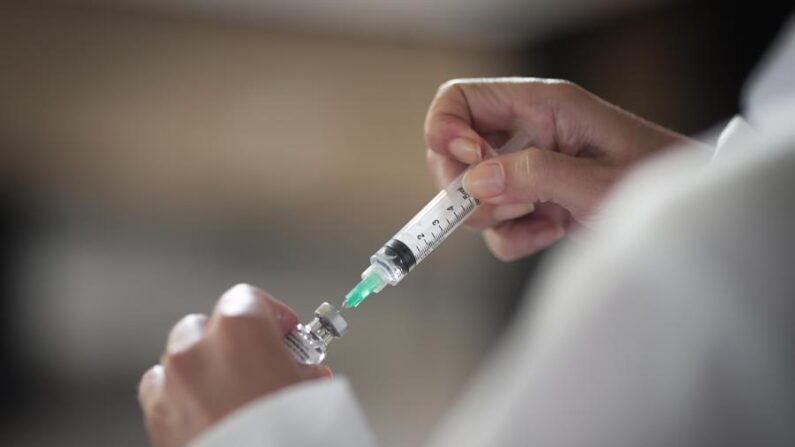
x=308, y=342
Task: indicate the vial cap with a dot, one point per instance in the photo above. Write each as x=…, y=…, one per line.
x=332, y=318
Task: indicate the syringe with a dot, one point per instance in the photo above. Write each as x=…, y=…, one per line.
x=425, y=231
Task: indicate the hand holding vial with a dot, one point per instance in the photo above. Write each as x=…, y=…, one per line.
x=215, y=364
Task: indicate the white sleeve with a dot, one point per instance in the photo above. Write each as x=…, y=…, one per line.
x=737, y=129
x=320, y=412
x=674, y=326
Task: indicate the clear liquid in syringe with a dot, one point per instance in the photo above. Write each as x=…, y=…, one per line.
x=425, y=231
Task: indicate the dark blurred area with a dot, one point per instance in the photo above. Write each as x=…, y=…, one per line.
x=680, y=64
x=156, y=153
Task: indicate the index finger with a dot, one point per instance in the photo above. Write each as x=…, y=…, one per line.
x=462, y=110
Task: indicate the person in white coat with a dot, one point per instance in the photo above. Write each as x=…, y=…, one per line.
x=670, y=322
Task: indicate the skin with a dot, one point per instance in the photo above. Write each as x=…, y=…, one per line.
x=213, y=365
x=582, y=146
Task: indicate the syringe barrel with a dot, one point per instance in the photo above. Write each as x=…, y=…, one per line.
x=436, y=221
x=423, y=233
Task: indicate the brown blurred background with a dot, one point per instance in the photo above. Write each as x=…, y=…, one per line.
x=154, y=153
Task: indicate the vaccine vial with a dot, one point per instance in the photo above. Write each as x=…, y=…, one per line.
x=308, y=342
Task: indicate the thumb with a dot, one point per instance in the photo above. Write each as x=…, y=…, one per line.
x=537, y=175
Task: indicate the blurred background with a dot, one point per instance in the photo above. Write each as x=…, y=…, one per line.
x=156, y=152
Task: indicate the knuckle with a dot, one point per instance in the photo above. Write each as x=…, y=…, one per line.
x=190, y=320
x=195, y=318
x=186, y=333
x=148, y=382
x=243, y=299
x=241, y=288
x=245, y=289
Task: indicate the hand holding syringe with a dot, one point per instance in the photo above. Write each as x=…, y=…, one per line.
x=584, y=167
x=425, y=231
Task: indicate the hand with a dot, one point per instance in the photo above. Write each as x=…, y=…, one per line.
x=215, y=365
x=531, y=198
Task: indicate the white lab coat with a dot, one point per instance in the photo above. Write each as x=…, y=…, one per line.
x=673, y=324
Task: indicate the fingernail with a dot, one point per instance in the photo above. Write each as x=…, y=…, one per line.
x=465, y=150
x=548, y=236
x=512, y=211
x=242, y=299
x=485, y=180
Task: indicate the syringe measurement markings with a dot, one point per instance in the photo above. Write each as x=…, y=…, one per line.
x=393, y=261
x=429, y=244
